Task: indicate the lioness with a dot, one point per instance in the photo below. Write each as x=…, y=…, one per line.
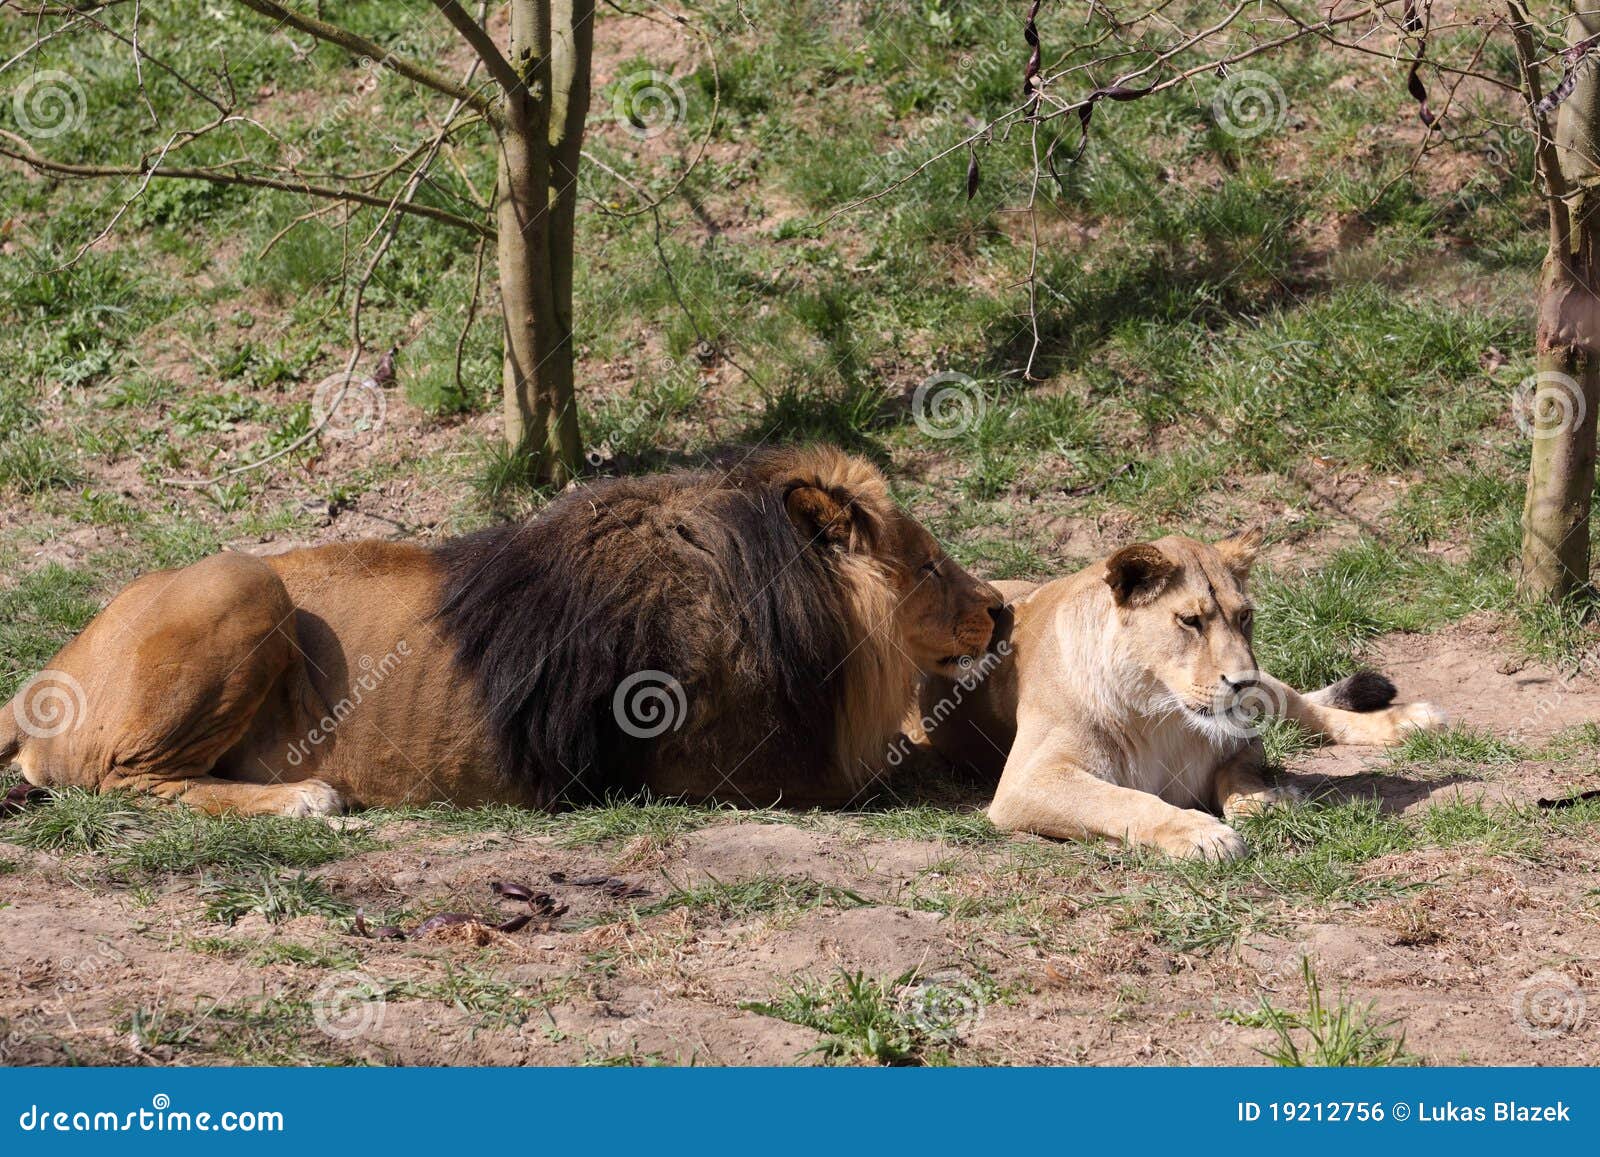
x=749, y=635
x=1125, y=707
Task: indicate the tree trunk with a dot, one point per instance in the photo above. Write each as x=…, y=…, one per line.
x=535, y=237
x=1561, y=411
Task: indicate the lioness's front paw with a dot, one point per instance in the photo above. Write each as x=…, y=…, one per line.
x=312, y=797
x=1249, y=803
x=1417, y=717
x=1200, y=837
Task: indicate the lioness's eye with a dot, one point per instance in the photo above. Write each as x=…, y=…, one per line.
x=1190, y=621
x=1244, y=619
x=931, y=566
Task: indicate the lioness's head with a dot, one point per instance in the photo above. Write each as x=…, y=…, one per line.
x=905, y=586
x=1185, y=618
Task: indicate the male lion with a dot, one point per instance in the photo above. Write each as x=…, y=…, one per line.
x=749, y=636
x=1126, y=703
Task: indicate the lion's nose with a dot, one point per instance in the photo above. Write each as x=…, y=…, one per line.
x=1239, y=681
x=1002, y=618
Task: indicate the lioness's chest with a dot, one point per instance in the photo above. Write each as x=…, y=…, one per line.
x=1170, y=759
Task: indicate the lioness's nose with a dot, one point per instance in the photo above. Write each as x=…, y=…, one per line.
x=1240, y=680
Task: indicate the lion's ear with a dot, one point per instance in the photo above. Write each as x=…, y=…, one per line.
x=1138, y=573
x=819, y=515
x=1239, y=551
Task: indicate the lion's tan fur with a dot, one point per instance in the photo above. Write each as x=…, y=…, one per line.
x=331, y=677
x=1104, y=720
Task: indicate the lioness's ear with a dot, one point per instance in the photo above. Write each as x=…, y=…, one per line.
x=819, y=515
x=1239, y=551
x=1138, y=573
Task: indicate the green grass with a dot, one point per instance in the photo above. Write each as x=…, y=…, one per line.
x=625, y=819
x=37, y=616
x=501, y=819
x=757, y=894
x=886, y=1022
x=141, y=838
x=658, y=823
x=1310, y=856
x=493, y=1002
x=270, y=1029
x=1185, y=915
x=284, y=952
x=185, y=841
x=1341, y=1035
x=271, y=895
x=1453, y=746
x=928, y=822
x=1572, y=742
x=1284, y=741
x=79, y=821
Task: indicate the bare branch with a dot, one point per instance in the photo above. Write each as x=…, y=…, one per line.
x=22, y=153
x=482, y=43
x=1546, y=157
x=361, y=46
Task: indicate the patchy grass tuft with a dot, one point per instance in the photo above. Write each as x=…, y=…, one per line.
x=1344, y=1035
x=758, y=894
x=896, y=1022
x=75, y=820
x=276, y=897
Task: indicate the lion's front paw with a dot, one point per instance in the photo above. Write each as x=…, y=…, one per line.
x=312, y=797
x=1418, y=717
x=1259, y=800
x=1196, y=836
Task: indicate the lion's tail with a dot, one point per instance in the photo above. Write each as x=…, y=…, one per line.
x=1363, y=691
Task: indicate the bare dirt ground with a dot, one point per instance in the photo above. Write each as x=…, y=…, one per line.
x=986, y=950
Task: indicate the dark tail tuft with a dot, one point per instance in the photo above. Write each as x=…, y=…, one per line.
x=1363, y=691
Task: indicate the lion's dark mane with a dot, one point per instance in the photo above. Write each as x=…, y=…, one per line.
x=699, y=575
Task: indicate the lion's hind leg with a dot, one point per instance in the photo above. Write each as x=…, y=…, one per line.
x=306, y=797
x=1322, y=713
x=162, y=683
x=1362, y=691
